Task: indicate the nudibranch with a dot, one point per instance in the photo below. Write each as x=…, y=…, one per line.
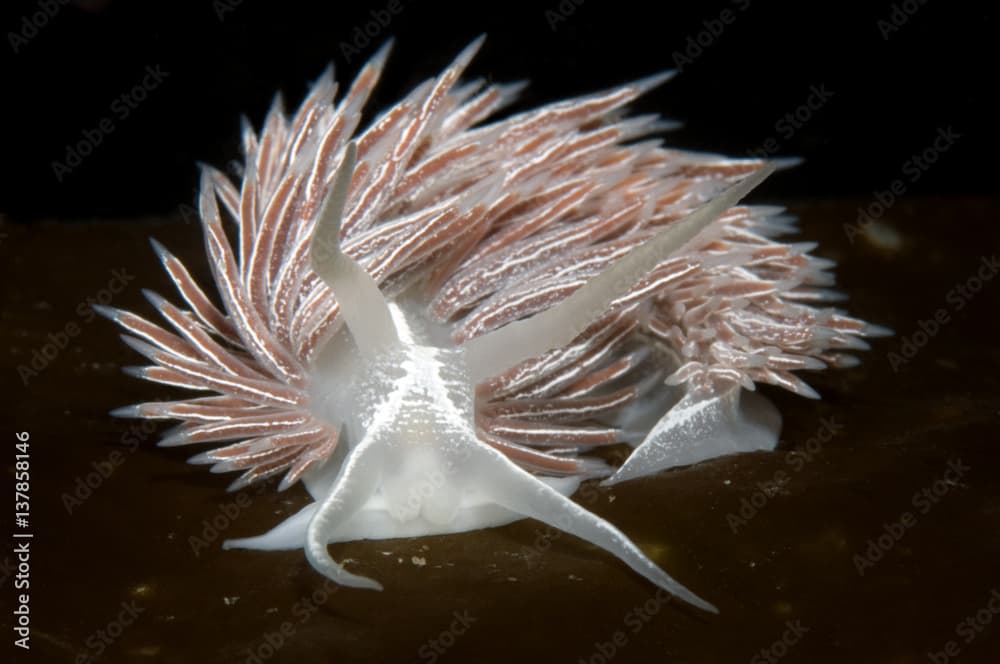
x=434, y=322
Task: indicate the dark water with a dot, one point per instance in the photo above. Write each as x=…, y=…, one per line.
x=872, y=535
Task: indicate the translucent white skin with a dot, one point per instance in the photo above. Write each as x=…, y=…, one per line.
x=404, y=397
x=697, y=429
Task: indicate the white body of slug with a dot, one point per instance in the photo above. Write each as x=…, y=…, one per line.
x=434, y=324
x=414, y=462
x=415, y=465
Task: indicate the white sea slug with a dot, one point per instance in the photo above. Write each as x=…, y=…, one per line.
x=434, y=321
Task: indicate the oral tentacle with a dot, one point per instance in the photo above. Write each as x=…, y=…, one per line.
x=355, y=485
x=517, y=490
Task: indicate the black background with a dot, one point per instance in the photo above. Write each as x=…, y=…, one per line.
x=893, y=89
x=903, y=424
